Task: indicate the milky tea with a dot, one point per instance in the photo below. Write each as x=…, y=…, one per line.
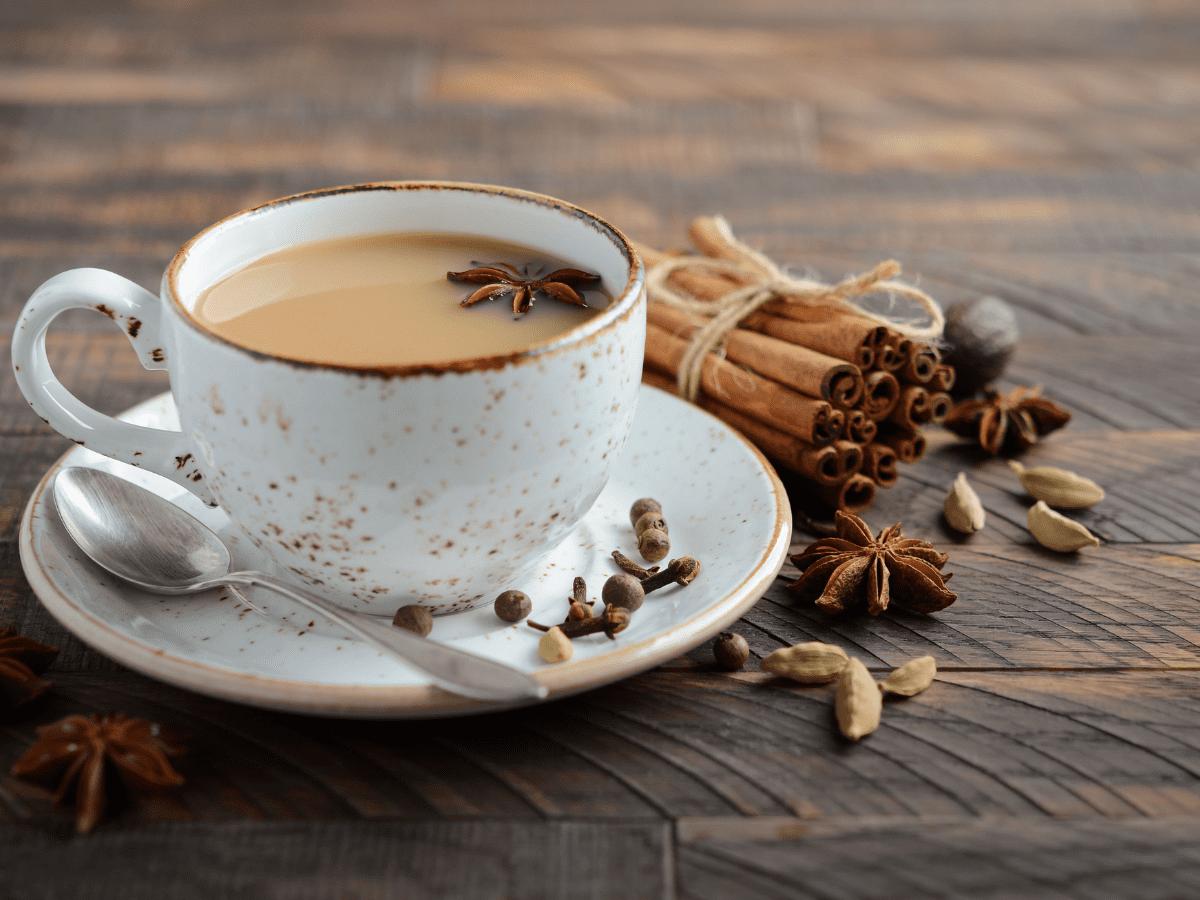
x=382, y=300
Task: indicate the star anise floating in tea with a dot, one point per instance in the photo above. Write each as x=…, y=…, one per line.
x=22, y=661
x=1007, y=424
x=855, y=570
x=77, y=750
x=503, y=279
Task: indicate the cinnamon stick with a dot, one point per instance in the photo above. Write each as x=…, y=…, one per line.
x=881, y=390
x=922, y=362
x=939, y=407
x=849, y=458
x=858, y=427
x=807, y=371
x=843, y=337
x=852, y=495
x=902, y=349
x=909, y=445
x=829, y=465
x=942, y=380
x=814, y=421
x=708, y=239
x=912, y=409
x=879, y=464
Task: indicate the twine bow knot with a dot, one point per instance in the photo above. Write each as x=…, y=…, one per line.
x=768, y=283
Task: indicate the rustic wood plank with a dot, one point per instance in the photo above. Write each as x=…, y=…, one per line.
x=1081, y=745
x=548, y=860
x=1003, y=859
x=1043, y=152
x=1149, y=477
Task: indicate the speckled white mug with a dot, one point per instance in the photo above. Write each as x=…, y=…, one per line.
x=440, y=484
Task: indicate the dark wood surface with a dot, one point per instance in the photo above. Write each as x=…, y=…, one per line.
x=1042, y=151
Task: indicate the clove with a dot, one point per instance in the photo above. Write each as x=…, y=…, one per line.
x=678, y=571
x=611, y=622
x=580, y=608
x=628, y=565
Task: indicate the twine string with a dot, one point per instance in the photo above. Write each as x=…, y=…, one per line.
x=767, y=283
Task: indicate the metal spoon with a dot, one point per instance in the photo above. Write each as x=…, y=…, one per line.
x=148, y=541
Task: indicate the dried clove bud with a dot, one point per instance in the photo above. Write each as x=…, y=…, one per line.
x=623, y=590
x=731, y=650
x=414, y=618
x=579, y=591
x=680, y=571
x=653, y=545
x=613, y=621
x=643, y=506
x=650, y=520
x=631, y=567
x=555, y=646
x=513, y=606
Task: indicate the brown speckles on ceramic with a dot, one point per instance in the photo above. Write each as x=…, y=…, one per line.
x=731, y=513
x=421, y=459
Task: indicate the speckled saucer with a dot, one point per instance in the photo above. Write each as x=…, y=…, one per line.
x=722, y=501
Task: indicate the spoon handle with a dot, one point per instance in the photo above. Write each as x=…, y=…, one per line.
x=447, y=667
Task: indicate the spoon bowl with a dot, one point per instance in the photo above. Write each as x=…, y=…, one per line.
x=152, y=543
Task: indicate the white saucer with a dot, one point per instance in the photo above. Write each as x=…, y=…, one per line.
x=722, y=501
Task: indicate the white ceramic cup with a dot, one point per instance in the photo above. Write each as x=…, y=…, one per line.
x=438, y=484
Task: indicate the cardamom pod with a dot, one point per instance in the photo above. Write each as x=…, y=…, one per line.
x=857, y=702
x=911, y=678
x=1055, y=531
x=811, y=663
x=964, y=511
x=555, y=646
x=1058, y=487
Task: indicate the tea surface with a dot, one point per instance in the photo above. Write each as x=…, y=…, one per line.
x=383, y=300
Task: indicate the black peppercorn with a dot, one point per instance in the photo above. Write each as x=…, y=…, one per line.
x=731, y=650
x=653, y=545
x=414, y=618
x=650, y=520
x=513, y=606
x=623, y=590
x=643, y=506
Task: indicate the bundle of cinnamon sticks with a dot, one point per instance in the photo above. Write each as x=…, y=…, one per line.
x=833, y=396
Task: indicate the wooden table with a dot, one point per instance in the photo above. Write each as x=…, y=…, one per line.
x=1042, y=151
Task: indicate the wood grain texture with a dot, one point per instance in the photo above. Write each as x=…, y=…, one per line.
x=1041, y=151
x=399, y=860
x=946, y=858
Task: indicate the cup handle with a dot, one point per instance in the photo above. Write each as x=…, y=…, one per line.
x=139, y=314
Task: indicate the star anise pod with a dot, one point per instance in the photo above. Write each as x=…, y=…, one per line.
x=503, y=279
x=76, y=750
x=852, y=570
x=1007, y=424
x=22, y=661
